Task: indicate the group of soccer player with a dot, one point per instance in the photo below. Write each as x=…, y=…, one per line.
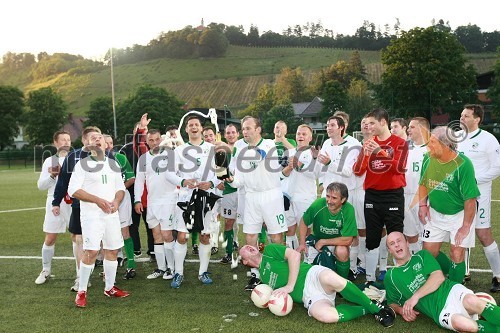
x=270, y=188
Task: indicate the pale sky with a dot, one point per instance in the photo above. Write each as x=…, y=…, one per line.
x=91, y=27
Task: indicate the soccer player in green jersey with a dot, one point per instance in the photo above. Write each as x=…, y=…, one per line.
x=333, y=224
x=417, y=285
x=314, y=286
x=447, y=194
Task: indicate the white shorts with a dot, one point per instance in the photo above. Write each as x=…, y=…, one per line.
x=265, y=207
x=229, y=205
x=210, y=225
x=313, y=291
x=483, y=215
x=443, y=228
x=241, y=206
x=125, y=211
x=454, y=306
x=101, y=227
x=412, y=224
x=297, y=210
x=358, y=201
x=56, y=224
x=163, y=214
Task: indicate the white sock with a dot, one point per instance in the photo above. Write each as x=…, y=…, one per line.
x=467, y=260
x=205, y=251
x=362, y=251
x=180, y=251
x=255, y=271
x=85, y=271
x=353, y=257
x=292, y=242
x=161, y=261
x=414, y=247
x=77, y=259
x=109, y=273
x=371, y=264
x=47, y=255
x=169, y=254
x=383, y=254
x=493, y=257
x=236, y=227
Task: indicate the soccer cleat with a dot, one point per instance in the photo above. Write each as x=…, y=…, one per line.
x=385, y=316
x=44, y=275
x=360, y=271
x=168, y=274
x=495, y=285
x=81, y=299
x=137, y=254
x=177, y=281
x=235, y=246
x=351, y=276
x=129, y=274
x=214, y=250
x=195, y=250
x=116, y=292
x=252, y=283
x=204, y=278
x=120, y=261
x=156, y=274
x=99, y=263
x=467, y=278
x=381, y=275
x=226, y=259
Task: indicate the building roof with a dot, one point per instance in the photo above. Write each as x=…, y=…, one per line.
x=308, y=109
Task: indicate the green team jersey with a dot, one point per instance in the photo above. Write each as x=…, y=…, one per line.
x=274, y=270
x=326, y=225
x=127, y=171
x=281, y=149
x=449, y=184
x=227, y=187
x=403, y=281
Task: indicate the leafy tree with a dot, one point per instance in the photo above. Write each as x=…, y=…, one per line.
x=46, y=114
x=494, y=90
x=280, y=112
x=471, y=38
x=426, y=69
x=291, y=84
x=100, y=114
x=262, y=104
x=235, y=35
x=11, y=110
x=360, y=102
x=213, y=43
x=334, y=97
x=162, y=107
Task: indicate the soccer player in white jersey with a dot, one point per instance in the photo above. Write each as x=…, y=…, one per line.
x=97, y=182
x=399, y=127
x=162, y=198
x=418, y=132
x=302, y=172
x=345, y=116
x=258, y=171
x=194, y=160
x=483, y=150
x=338, y=156
x=53, y=225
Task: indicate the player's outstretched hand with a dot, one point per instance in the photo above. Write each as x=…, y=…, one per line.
x=56, y=210
x=282, y=291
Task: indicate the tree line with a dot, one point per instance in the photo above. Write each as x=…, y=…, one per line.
x=426, y=72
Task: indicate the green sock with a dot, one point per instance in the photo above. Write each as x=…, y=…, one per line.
x=492, y=314
x=486, y=327
x=444, y=262
x=343, y=268
x=352, y=294
x=349, y=312
x=129, y=252
x=229, y=237
x=263, y=236
x=194, y=238
x=457, y=272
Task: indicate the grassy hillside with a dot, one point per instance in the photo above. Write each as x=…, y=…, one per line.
x=233, y=80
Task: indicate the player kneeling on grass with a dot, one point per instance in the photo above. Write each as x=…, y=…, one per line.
x=97, y=182
x=417, y=285
x=314, y=286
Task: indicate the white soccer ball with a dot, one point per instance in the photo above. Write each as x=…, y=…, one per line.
x=280, y=305
x=487, y=297
x=260, y=295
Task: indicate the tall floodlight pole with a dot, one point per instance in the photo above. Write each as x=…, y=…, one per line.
x=113, y=92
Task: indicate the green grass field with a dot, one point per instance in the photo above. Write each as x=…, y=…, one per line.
x=153, y=305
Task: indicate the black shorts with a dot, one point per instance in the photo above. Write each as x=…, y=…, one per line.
x=383, y=208
x=75, y=225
